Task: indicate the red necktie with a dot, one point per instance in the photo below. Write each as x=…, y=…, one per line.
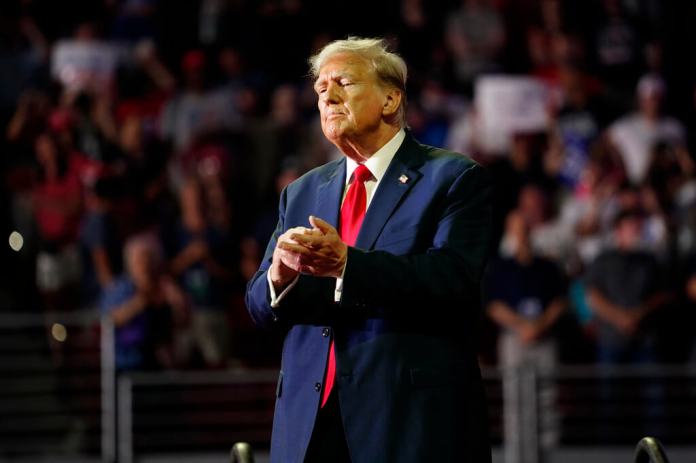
x=352, y=215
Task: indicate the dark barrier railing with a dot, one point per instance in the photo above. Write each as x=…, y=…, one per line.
x=583, y=406
x=55, y=395
x=193, y=412
x=58, y=396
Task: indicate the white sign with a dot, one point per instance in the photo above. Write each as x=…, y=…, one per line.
x=506, y=105
x=84, y=65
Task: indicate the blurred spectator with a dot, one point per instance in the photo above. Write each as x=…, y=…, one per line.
x=57, y=204
x=281, y=135
x=618, y=48
x=429, y=117
x=210, y=20
x=511, y=174
x=23, y=54
x=85, y=62
x=90, y=128
x=636, y=135
x=670, y=175
x=625, y=286
x=653, y=233
x=535, y=207
x=194, y=110
x=100, y=238
x=475, y=37
x=583, y=217
x=142, y=167
x=526, y=297
x=145, y=306
x=234, y=85
x=578, y=121
x=415, y=34
x=27, y=122
x=134, y=20
x=144, y=83
x=542, y=65
x=200, y=264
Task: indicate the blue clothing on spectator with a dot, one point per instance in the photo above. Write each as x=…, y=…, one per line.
x=138, y=340
x=97, y=231
x=578, y=299
x=203, y=289
x=129, y=338
x=527, y=289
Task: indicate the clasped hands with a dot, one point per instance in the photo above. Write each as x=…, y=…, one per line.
x=317, y=251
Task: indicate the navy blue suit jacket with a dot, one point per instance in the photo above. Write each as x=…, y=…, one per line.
x=407, y=376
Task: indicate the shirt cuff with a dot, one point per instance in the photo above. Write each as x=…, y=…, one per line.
x=275, y=299
x=338, y=291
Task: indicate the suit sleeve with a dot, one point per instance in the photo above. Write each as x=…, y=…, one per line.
x=302, y=303
x=448, y=274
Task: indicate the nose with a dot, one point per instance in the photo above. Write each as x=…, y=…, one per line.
x=331, y=95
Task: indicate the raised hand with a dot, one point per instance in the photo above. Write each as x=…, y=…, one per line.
x=320, y=252
x=285, y=266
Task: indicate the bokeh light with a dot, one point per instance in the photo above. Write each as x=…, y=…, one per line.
x=59, y=332
x=16, y=241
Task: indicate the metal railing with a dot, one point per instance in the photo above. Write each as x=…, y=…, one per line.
x=60, y=398
x=189, y=412
x=55, y=397
x=592, y=405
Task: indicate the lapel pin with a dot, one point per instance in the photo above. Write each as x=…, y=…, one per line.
x=403, y=179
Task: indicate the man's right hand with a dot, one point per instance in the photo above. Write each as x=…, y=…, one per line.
x=286, y=265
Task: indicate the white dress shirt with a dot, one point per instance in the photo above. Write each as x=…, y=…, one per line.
x=377, y=164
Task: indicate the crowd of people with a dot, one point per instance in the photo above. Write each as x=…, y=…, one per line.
x=146, y=144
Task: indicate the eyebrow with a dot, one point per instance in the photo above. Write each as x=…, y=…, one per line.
x=337, y=76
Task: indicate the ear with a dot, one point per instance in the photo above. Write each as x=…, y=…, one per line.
x=392, y=101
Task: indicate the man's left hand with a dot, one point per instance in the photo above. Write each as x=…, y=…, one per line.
x=321, y=254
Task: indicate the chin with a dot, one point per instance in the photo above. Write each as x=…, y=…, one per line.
x=333, y=133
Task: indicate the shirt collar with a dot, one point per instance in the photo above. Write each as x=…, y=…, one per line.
x=378, y=162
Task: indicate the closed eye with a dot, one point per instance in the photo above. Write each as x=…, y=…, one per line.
x=320, y=86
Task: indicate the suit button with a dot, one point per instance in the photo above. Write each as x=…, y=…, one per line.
x=326, y=332
x=317, y=387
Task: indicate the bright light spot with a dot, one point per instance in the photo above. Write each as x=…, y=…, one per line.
x=16, y=241
x=59, y=332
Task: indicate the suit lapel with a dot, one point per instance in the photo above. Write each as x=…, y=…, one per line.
x=329, y=194
x=399, y=178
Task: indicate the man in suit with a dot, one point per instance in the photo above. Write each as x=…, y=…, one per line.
x=373, y=272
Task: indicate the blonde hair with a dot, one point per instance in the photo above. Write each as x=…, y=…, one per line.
x=389, y=67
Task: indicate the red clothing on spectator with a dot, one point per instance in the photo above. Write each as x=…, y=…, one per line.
x=56, y=216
